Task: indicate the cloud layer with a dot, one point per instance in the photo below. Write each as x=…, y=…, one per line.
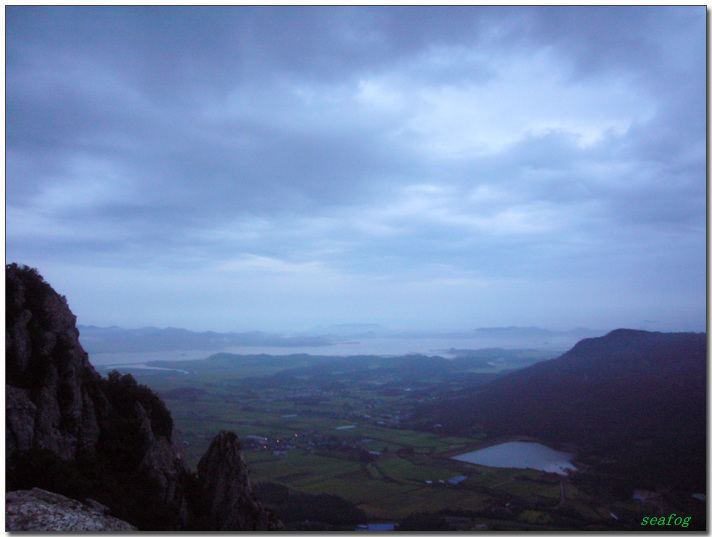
x=231, y=168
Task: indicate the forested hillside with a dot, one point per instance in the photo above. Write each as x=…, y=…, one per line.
x=633, y=402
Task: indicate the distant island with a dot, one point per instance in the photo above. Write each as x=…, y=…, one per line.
x=98, y=340
x=114, y=339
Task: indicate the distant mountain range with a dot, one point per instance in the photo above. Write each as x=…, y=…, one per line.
x=115, y=339
x=363, y=330
x=149, y=339
x=633, y=402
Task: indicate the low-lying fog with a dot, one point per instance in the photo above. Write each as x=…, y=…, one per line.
x=380, y=346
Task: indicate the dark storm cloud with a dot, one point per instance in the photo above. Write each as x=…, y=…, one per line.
x=336, y=155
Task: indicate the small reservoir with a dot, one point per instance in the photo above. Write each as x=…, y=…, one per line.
x=521, y=455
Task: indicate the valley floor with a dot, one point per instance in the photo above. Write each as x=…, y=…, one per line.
x=347, y=436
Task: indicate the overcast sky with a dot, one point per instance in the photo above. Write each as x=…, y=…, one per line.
x=279, y=168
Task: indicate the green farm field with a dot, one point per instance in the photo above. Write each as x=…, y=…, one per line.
x=333, y=431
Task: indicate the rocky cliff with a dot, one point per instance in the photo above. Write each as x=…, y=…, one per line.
x=72, y=432
x=53, y=396
x=224, y=480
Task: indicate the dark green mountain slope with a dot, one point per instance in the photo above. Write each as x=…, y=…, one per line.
x=632, y=402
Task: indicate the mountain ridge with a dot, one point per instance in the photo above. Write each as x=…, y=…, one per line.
x=150, y=339
x=633, y=396
x=110, y=339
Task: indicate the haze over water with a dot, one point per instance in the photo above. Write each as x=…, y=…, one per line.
x=380, y=346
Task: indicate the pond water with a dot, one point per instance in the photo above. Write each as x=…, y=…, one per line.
x=521, y=455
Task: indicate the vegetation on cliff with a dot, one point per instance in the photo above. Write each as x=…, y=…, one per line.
x=72, y=432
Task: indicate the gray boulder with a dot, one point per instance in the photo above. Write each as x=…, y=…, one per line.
x=40, y=510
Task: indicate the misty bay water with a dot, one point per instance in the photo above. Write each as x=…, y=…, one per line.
x=521, y=455
x=144, y=366
x=378, y=346
x=118, y=358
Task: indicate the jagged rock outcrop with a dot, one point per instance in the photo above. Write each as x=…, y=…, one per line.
x=73, y=432
x=55, y=400
x=161, y=464
x=19, y=421
x=40, y=510
x=224, y=478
